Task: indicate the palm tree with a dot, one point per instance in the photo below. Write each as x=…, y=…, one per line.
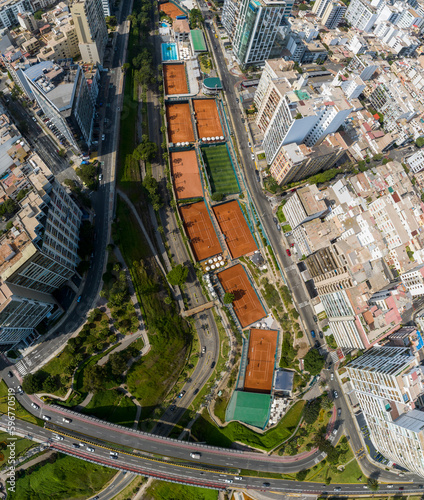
x=327, y=403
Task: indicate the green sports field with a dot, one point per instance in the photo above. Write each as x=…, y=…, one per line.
x=220, y=170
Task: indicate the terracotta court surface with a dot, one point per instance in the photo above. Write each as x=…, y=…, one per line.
x=233, y=225
x=178, y=119
x=247, y=305
x=171, y=10
x=185, y=172
x=260, y=360
x=198, y=224
x=175, y=79
x=208, y=124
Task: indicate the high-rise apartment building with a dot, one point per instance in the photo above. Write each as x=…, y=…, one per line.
x=91, y=29
x=253, y=26
x=387, y=381
x=63, y=93
x=333, y=14
x=38, y=254
x=9, y=10
x=330, y=12
x=296, y=115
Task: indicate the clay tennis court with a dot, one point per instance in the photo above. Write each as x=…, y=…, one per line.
x=208, y=124
x=175, y=79
x=247, y=305
x=178, y=119
x=198, y=224
x=261, y=360
x=171, y=10
x=233, y=225
x=185, y=172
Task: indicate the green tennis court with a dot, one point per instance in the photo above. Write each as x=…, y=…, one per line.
x=220, y=170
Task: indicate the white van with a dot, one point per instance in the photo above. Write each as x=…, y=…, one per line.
x=195, y=455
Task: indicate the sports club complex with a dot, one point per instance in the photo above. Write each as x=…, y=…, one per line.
x=203, y=163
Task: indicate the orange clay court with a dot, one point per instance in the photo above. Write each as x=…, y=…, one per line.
x=198, y=224
x=171, y=10
x=261, y=360
x=246, y=303
x=185, y=171
x=175, y=79
x=178, y=119
x=234, y=226
x=208, y=124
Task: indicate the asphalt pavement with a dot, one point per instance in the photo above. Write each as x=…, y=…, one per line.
x=195, y=472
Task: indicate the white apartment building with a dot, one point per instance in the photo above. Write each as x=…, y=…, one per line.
x=9, y=10
x=66, y=98
x=253, y=27
x=393, y=220
x=416, y=161
x=414, y=280
x=386, y=381
x=333, y=14
x=300, y=116
x=91, y=29
x=361, y=15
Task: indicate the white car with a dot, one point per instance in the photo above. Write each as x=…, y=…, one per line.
x=252, y=156
x=90, y=449
x=100, y=177
x=46, y=417
x=103, y=137
x=113, y=454
x=35, y=406
x=67, y=420
x=59, y=438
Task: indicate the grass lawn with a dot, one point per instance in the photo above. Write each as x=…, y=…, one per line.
x=205, y=430
x=66, y=478
x=151, y=378
x=280, y=215
x=220, y=170
x=19, y=411
x=161, y=490
x=112, y=406
x=21, y=446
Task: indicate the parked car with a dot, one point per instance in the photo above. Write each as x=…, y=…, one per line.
x=321, y=335
x=313, y=334
x=335, y=394
x=288, y=252
x=315, y=318
x=172, y=408
x=339, y=412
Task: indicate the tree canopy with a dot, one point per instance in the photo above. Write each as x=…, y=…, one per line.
x=228, y=298
x=178, y=275
x=146, y=150
x=313, y=362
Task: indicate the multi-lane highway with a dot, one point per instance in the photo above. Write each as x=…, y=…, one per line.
x=138, y=452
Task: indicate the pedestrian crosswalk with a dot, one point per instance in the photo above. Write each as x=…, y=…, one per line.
x=334, y=356
x=303, y=304
x=23, y=366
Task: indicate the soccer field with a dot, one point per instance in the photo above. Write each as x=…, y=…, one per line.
x=220, y=170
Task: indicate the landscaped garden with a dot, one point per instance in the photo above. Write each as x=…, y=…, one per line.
x=152, y=377
x=161, y=490
x=22, y=445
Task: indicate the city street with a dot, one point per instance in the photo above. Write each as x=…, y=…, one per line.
x=103, y=208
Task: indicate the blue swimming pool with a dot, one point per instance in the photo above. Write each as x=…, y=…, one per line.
x=163, y=25
x=169, y=52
